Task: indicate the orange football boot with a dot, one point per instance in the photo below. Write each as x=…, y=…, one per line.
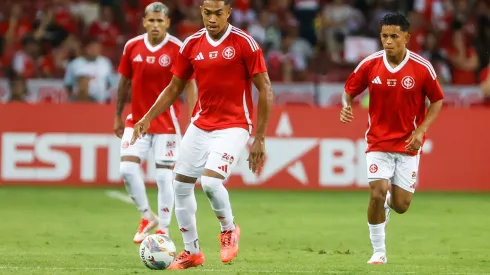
x=186, y=260
x=229, y=244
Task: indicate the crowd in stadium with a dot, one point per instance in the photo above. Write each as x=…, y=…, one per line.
x=303, y=40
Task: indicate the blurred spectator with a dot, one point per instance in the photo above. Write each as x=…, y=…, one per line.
x=15, y=25
x=106, y=30
x=437, y=57
x=18, y=89
x=29, y=63
x=191, y=24
x=265, y=32
x=88, y=77
x=300, y=47
x=242, y=14
x=464, y=61
x=339, y=20
x=284, y=65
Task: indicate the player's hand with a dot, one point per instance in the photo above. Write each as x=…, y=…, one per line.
x=346, y=114
x=118, y=127
x=140, y=129
x=256, y=158
x=415, y=141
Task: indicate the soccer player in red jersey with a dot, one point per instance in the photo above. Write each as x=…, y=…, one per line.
x=145, y=69
x=226, y=61
x=399, y=82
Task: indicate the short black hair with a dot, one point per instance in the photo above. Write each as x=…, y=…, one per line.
x=396, y=19
x=227, y=2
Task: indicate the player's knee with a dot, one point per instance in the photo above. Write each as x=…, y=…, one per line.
x=378, y=193
x=183, y=189
x=129, y=169
x=400, y=205
x=210, y=184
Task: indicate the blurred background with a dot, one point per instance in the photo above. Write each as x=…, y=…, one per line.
x=312, y=44
x=294, y=218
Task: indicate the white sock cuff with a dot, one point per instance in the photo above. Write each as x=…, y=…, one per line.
x=376, y=226
x=211, y=184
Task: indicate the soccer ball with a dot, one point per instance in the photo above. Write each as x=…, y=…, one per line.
x=157, y=251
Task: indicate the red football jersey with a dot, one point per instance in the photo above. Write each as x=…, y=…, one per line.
x=148, y=68
x=223, y=71
x=396, y=98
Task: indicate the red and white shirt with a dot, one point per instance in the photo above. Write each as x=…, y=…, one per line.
x=148, y=68
x=224, y=70
x=396, y=98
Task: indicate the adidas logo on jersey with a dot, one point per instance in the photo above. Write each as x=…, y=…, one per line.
x=377, y=80
x=138, y=58
x=199, y=57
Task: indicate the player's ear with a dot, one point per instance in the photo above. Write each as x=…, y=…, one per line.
x=229, y=12
x=167, y=22
x=407, y=37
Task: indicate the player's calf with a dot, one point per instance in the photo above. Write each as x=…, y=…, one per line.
x=164, y=179
x=400, y=199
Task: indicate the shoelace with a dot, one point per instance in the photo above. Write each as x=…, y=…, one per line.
x=226, y=238
x=182, y=255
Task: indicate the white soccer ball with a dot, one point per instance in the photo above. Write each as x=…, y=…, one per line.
x=157, y=251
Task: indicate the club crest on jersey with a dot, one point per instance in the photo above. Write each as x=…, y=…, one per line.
x=391, y=82
x=229, y=52
x=150, y=59
x=408, y=82
x=164, y=60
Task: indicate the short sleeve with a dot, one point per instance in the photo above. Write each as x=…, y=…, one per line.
x=182, y=67
x=253, y=57
x=357, y=81
x=125, y=67
x=432, y=88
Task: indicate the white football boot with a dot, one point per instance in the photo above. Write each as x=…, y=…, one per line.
x=146, y=225
x=378, y=258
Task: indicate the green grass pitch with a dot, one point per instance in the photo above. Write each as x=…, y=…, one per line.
x=84, y=231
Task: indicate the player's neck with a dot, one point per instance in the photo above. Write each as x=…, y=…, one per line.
x=155, y=41
x=220, y=34
x=397, y=59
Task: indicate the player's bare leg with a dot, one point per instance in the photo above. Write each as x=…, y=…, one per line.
x=400, y=199
x=164, y=179
x=185, y=212
x=135, y=186
x=377, y=220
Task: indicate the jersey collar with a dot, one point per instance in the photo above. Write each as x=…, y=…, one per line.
x=217, y=43
x=397, y=68
x=157, y=47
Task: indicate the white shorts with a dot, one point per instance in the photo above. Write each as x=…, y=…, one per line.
x=216, y=150
x=400, y=169
x=165, y=146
